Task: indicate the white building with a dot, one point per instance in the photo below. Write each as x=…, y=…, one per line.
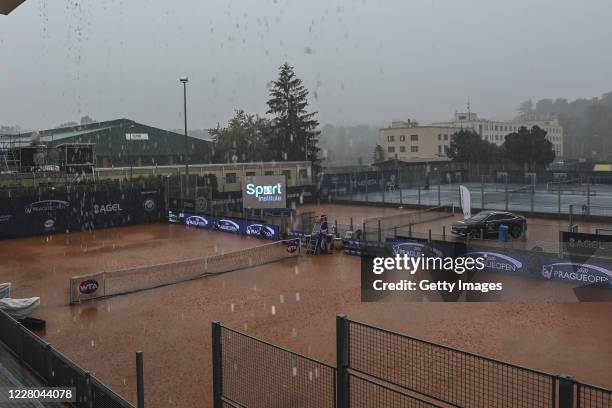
x=496, y=131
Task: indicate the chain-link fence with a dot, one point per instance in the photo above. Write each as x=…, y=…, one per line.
x=55, y=368
x=376, y=367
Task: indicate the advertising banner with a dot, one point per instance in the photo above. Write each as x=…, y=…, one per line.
x=586, y=245
x=264, y=192
x=504, y=260
x=232, y=225
x=78, y=211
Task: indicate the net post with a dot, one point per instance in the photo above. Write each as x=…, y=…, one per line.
x=139, y=380
x=566, y=391
x=217, y=363
x=342, y=360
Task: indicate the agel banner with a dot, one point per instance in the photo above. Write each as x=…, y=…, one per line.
x=264, y=192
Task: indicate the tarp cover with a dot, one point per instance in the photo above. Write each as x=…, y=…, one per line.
x=19, y=308
x=5, y=290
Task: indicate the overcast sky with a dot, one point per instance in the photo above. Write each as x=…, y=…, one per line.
x=367, y=61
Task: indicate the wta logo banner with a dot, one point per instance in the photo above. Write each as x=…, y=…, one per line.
x=264, y=192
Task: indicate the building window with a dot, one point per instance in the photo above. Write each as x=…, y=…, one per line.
x=402, y=138
x=414, y=138
x=391, y=149
x=230, y=178
x=303, y=173
x=414, y=149
x=268, y=173
x=439, y=136
x=439, y=149
x=390, y=138
x=287, y=174
x=250, y=173
x=402, y=149
x=445, y=137
x=446, y=150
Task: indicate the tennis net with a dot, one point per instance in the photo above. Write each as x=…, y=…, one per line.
x=566, y=186
x=117, y=282
x=390, y=225
x=503, y=195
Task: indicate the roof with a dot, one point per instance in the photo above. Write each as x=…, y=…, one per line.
x=411, y=160
x=53, y=136
x=6, y=6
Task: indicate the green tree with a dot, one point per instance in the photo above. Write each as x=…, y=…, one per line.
x=243, y=140
x=378, y=154
x=295, y=131
x=529, y=148
x=467, y=146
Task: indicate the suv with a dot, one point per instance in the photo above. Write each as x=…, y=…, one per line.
x=488, y=222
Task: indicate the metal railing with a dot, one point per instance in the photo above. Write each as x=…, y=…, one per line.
x=248, y=372
x=56, y=369
x=375, y=368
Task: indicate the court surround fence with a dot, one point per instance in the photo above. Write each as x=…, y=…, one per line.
x=375, y=368
x=55, y=368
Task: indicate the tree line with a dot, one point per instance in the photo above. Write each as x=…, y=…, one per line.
x=527, y=148
x=587, y=123
x=290, y=133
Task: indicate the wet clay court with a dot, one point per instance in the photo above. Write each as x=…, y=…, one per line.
x=292, y=303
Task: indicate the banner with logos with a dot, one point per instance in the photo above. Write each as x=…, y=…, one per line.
x=232, y=225
x=78, y=211
x=515, y=262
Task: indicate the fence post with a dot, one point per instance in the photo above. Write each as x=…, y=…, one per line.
x=342, y=361
x=139, y=380
x=217, y=362
x=566, y=391
x=506, y=193
x=559, y=200
x=352, y=224
x=482, y=200
x=444, y=233
x=87, y=395
x=419, y=196
x=588, y=197
x=532, y=198
x=379, y=232
x=439, y=201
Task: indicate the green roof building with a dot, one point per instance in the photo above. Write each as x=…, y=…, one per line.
x=123, y=142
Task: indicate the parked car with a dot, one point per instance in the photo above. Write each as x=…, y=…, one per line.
x=488, y=222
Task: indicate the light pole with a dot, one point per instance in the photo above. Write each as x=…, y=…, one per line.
x=184, y=80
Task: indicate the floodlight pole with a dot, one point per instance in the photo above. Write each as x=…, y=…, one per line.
x=184, y=80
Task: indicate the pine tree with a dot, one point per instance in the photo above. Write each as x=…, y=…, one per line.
x=294, y=130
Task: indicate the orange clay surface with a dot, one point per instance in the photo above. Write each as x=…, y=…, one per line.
x=292, y=303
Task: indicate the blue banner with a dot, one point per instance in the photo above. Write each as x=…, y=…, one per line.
x=78, y=210
x=521, y=263
x=232, y=225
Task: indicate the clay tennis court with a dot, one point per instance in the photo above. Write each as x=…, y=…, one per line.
x=292, y=303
